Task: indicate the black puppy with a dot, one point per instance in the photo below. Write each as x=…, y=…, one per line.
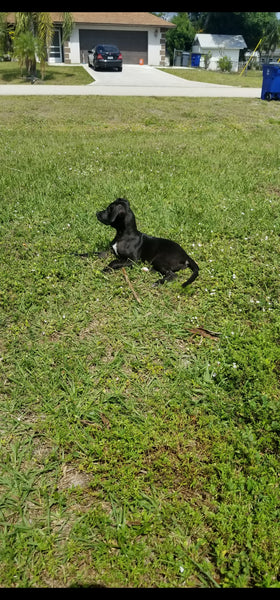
x=130, y=245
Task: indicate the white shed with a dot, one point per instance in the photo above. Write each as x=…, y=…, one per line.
x=219, y=46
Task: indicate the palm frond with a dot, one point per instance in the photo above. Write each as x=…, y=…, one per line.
x=45, y=28
x=67, y=26
x=3, y=30
x=23, y=22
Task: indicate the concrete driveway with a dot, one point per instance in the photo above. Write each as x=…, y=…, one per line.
x=134, y=80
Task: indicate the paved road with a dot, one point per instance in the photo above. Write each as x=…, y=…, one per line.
x=134, y=80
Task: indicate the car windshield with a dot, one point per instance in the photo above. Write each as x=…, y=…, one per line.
x=107, y=48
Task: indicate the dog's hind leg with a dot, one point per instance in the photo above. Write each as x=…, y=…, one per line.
x=168, y=276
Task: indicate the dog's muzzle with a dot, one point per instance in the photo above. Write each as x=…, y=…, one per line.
x=102, y=217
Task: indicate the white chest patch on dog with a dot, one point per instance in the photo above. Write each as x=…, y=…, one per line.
x=115, y=249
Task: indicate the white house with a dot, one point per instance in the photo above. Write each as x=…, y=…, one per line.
x=218, y=46
x=138, y=35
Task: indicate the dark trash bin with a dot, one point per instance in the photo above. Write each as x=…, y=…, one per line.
x=195, y=60
x=271, y=82
x=185, y=59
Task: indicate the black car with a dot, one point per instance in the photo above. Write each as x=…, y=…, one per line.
x=105, y=56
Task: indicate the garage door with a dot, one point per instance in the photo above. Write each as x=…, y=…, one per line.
x=132, y=44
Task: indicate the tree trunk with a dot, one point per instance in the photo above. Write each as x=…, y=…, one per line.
x=33, y=71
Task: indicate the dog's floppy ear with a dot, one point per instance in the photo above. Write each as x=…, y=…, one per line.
x=116, y=211
x=123, y=200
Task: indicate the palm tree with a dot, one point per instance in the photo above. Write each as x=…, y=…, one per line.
x=25, y=50
x=3, y=31
x=33, y=36
x=271, y=38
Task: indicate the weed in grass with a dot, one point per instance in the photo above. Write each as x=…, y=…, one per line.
x=134, y=451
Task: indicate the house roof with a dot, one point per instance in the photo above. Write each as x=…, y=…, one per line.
x=116, y=18
x=209, y=40
x=110, y=18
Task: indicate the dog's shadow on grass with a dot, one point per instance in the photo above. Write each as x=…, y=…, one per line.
x=95, y=254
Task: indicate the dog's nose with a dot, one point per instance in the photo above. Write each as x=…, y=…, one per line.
x=100, y=215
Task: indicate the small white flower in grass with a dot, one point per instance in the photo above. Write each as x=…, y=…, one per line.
x=63, y=316
x=181, y=569
x=234, y=365
x=233, y=276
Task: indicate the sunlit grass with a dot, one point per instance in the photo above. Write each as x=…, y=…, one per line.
x=136, y=451
x=55, y=75
x=250, y=78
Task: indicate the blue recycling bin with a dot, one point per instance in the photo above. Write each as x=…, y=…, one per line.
x=271, y=82
x=195, y=60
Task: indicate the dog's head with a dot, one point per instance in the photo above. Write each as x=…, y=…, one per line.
x=115, y=213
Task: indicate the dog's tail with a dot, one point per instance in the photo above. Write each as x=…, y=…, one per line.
x=195, y=270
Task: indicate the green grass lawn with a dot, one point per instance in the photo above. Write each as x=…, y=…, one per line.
x=61, y=75
x=136, y=450
x=251, y=78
